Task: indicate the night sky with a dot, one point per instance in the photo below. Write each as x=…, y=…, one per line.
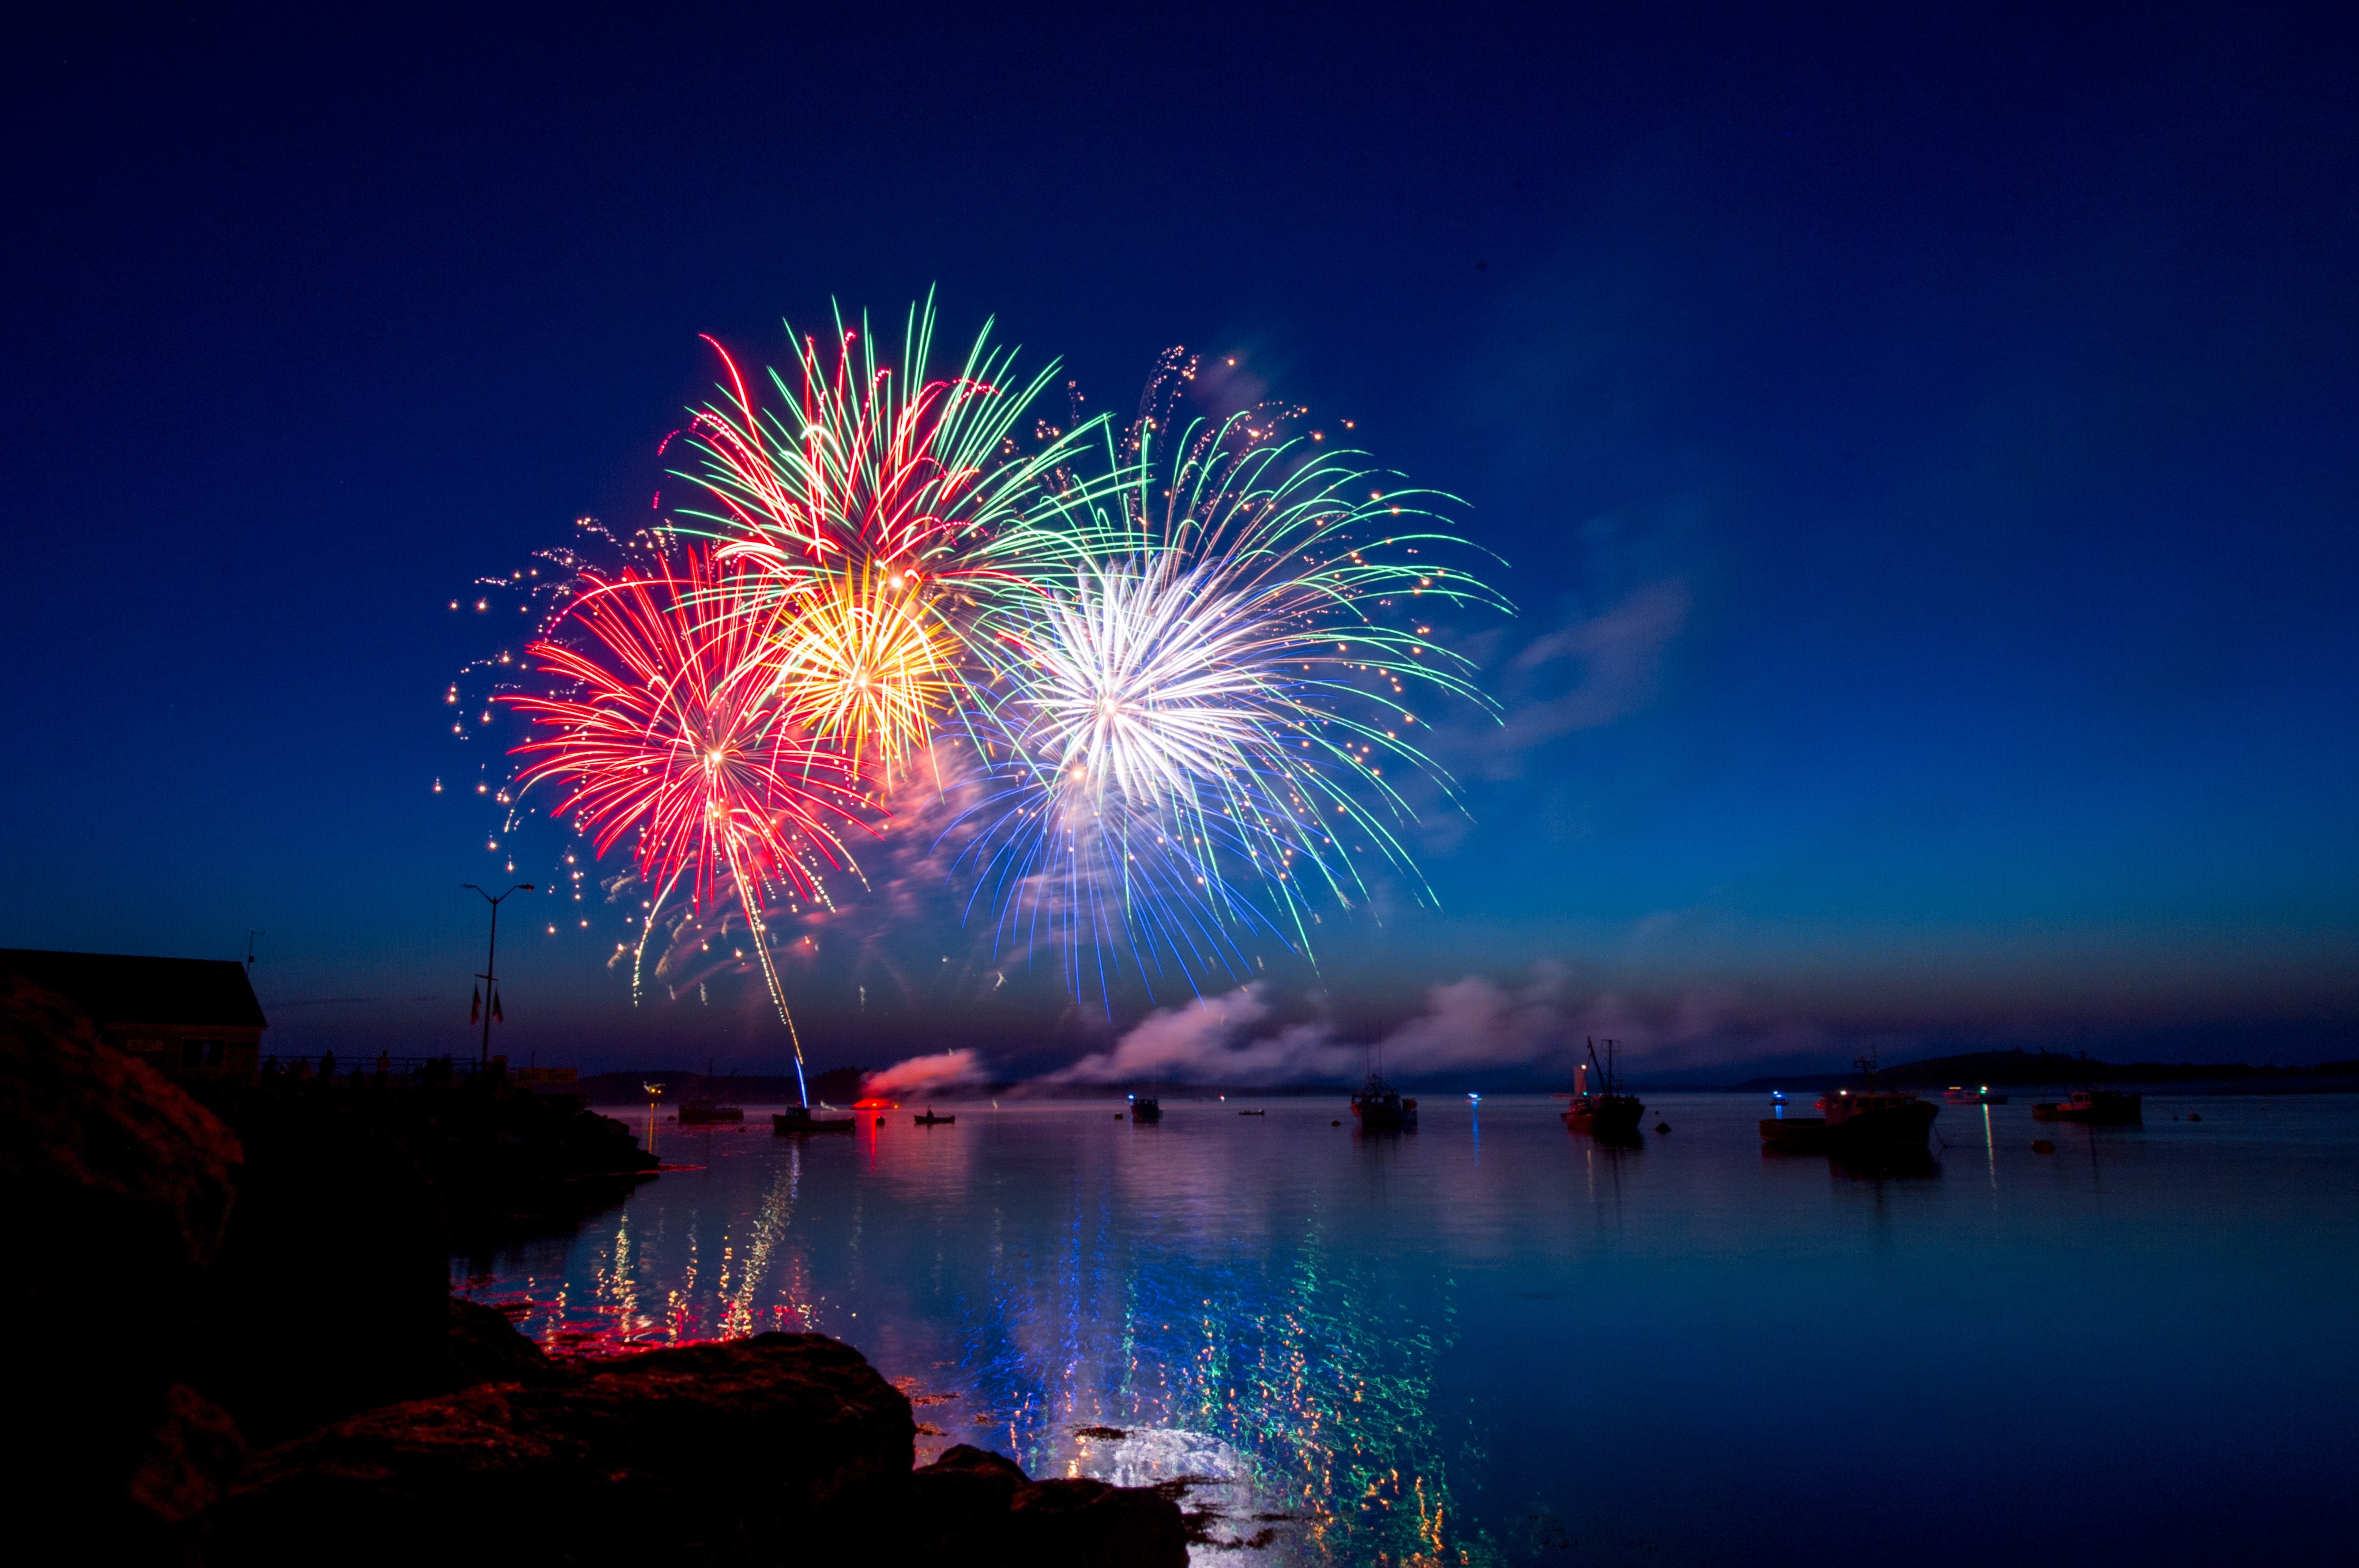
x=1922, y=439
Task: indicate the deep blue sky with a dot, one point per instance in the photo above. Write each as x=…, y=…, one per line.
x=1922, y=437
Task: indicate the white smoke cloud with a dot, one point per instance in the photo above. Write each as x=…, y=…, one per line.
x=1471, y=1022
x=1206, y=1042
x=940, y=1074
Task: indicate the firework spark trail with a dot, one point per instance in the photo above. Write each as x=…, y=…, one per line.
x=674, y=733
x=872, y=482
x=1184, y=735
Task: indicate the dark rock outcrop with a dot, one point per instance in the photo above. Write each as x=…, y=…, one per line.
x=191, y=1274
x=333, y=1295
x=119, y=1188
x=1077, y=1523
x=971, y=1505
x=704, y=1453
x=486, y=1348
x=959, y=1505
x=505, y=1163
x=782, y=1448
x=334, y=1286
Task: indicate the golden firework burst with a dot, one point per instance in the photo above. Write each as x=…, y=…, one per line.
x=866, y=665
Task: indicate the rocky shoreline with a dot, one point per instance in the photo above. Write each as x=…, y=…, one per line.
x=246, y=1350
x=777, y=1448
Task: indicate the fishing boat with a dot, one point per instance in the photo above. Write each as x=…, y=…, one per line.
x=930, y=1119
x=2099, y=1107
x=1379, y=1105
x=797, y=1119
x=1145, y=1110
x=1958, y=1094
x=1869, y=1122
x=1608, y=1112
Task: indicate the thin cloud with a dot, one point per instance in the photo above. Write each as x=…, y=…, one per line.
x=1584, y=674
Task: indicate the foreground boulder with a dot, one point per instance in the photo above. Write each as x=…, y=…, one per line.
x=971, y=1506
x=1079, y=1523
x=704, y=1451
x=119, y=1189
x=782, y=1448
x=486, y=1348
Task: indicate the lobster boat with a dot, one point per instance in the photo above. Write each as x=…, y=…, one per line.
x=1869, y=1121
x=2098, y=1108
x=798, y=1120
x=1379, y=1105
x=1606, y=1113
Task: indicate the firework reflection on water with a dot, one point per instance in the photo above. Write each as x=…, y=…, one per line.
x=1042, y=1290
x=1428, y=1349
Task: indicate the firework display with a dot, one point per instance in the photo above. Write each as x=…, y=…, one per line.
x=1191, y=729
x=1167, y=682
x=664, y=725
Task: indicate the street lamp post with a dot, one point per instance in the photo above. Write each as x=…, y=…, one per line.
x=490, y=986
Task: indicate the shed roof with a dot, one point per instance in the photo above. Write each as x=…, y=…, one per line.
x=122, y=989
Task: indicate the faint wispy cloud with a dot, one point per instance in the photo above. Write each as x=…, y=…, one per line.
x=1586, y=672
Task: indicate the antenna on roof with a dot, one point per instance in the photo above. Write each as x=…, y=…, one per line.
x=249, y=945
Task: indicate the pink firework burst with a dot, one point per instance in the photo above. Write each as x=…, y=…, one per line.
x=662, y=720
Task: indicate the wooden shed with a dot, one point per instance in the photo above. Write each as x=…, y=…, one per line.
x=181, y=1014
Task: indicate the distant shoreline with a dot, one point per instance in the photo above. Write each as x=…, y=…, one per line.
x=2013, y=1071
x=2048, y=1069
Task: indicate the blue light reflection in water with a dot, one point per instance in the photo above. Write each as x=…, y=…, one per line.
x=1428, y=1347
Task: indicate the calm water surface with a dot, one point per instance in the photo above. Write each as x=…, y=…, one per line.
x=1489, y=1342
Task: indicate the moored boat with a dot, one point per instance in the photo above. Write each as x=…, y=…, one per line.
x=797, y=1119
x=1848, y=1123
x=1146, y=1108
x=1958, y=1094
x=930, y=1119
x=2100, y=1107
x=1607, y=1113
x=1379, y=1105
x=699, y=1112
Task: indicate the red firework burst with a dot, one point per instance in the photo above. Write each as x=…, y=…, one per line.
x=672, y=731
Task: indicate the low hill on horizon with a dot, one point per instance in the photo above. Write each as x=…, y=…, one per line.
x=2025, y=1069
